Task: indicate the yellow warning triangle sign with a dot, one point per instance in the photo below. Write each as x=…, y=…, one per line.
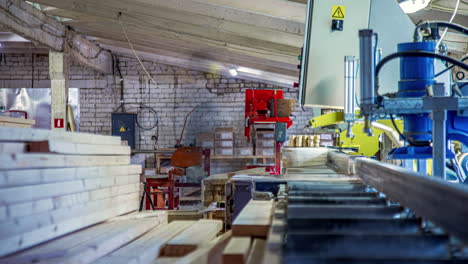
x=338, y=12
x=122, y=129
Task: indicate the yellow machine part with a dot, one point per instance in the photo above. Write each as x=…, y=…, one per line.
x=365, y=145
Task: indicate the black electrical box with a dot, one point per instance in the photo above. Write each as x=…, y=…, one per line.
x=123, y=125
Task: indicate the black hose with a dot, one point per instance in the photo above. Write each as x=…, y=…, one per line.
x=437, y=25
x=449, y=68
x=396, y=55
x=412, y=143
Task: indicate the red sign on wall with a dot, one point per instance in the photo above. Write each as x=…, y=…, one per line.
x=58, y=123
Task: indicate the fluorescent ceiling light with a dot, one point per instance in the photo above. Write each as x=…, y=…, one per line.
x=233, y=72
x=412, y=6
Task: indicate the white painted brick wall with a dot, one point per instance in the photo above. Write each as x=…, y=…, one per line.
x=221, y=99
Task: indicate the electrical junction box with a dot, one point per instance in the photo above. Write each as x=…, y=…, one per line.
x=123, y=125
x=332, y=32
x=280, y=132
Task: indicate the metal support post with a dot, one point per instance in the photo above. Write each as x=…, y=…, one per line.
x=439, y=139
x=367, y=60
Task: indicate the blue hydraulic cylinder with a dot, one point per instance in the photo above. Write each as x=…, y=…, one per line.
x=416, y=73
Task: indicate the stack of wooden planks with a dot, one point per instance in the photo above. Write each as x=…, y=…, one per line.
x=250, y=230
x=254, y=220
x=193, y=237
x=54, y=183
x=93, y=243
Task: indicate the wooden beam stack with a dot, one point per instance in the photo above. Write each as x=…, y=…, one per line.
x=54, y=183
x=192, y=238
x=250, y=230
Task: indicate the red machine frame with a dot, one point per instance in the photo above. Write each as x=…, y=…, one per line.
x=258, y=111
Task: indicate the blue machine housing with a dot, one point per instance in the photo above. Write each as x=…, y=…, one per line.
x=416, y=74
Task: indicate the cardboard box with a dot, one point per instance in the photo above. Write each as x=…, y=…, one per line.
x=286, y=107
x=224, y=152
x=245, y=151
x=265, y=134
x=327, y=143
x=224, y=133
x=265, y=143
x=265, y=151
x=224, y=144
x=205, y=140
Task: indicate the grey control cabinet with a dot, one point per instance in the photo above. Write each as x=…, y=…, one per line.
x=124, y=126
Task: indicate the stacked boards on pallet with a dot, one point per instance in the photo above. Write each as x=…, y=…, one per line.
x=54, y=183
x=250, y=230
x=102, y=243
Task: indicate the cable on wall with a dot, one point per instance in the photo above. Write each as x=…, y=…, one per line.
x=134, y=51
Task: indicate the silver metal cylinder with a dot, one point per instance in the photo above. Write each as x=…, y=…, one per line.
x=350, y=88
x=367, y=60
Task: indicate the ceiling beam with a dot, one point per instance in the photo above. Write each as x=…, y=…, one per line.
x=209, y=66
x=274, y=8
x=31, y=23
x=232, y=61
x=211, y=28
x=188, y=32
x=239, y=43
x=214, y=14
x=148, y=38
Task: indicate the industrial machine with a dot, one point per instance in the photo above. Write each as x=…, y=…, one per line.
x=433, y=113
x=353, y=138
x=268, y=108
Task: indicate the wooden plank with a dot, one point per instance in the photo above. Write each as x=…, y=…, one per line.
x=34, y=160
x=241, y=157
x=144, y=214
x=304, y=157
x=33, y=192
x=145, y=249
x=426, y=196
x=237, y=250
x=8, y=124
x=178, y=215
x=52, y=175
x=18, y=225
x=12, y=147
x=12, y=134
x=274, y=244
x=21, y=121
x=194, y=236
x=63, y=147
x=90, y=249
x=209, y=253
x=256, y=251
x=254, y=220
x=77, y=220
x=66, y=241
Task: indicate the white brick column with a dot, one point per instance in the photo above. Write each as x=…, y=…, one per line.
x=58, y=71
